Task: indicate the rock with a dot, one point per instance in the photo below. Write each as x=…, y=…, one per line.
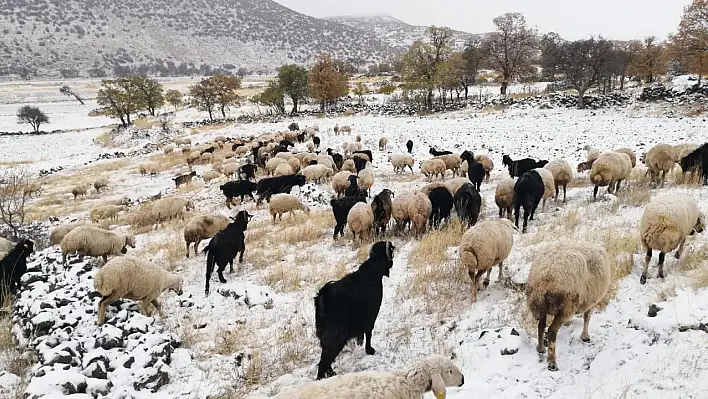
x=111, y=337
x=653, y=310
x=153, y=378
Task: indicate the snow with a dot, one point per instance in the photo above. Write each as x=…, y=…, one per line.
x=64, y=115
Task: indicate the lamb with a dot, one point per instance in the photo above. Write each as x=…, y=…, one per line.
x=106, y=212
x=383, y=142
x=13, y=265
x=381, y=207
x=93, y=241
x=400, y=161
x=409, y=146
x=659, y=159
x=265, y=188
x=666, y=222
x=130, y=277
x=202, y=227
x=434, y=373
x=239, y=188
x=487, y=163
x=316, y=173
x=340, y=182
x=562, y=175
x=442, y=202
x=434, y=152
x=210, y=175
x=504, y=197
x=361, y=221
x=283, y=170
x=399, y=211
x=528, y=191
x=419, y=210
x=566, y=278
x=366, y=179
x=549, y=186
x=348, y=166
x=98, y=184
x=340, y=209
x=609, y=169
x=170, y=207
x=348, y=308
x=224, y=247
x=484, y=246
x=431, y=168
x=168, y=149
x=697, y=161
x=184, y=179
x=284, y=203
x=475, y=169
x=468, y=204
x=79, y=190
x=452, y=162
x=518, y=168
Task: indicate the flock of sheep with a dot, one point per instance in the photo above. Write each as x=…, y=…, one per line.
x=568, y=278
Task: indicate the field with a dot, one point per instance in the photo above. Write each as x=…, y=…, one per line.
x=263, y=342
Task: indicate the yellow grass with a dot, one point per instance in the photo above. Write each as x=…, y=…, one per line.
x=169, y=253
x=145, y=123
x=215, y=126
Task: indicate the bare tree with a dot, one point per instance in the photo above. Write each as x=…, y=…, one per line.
x=68, y=91
x=583, y=62
x=32, y=115
x=510, y=50
x=13, y=182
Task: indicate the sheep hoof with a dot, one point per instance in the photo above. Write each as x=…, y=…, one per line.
x=485, y=284
x=660, y=274
x=370, y=351
x=643, y=280
x=585, y=339
x=677, y=255
x=552, y=366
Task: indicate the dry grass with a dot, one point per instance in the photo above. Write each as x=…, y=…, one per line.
x=688, y=179
x=232, y=340
x=167, y=162
x=19, y=163
x=145, y=123
x=284, y=277
x=636, y=194
x=172, y=250
x=215, y=126
x=140, y=220
x=252, y=375
x=12, y=358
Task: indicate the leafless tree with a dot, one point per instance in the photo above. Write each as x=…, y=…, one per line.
x=583, y=63
x=13, y=198
x=68, y=91
x=511, y=49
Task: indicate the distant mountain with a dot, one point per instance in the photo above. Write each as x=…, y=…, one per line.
x=95, y=37
x=394, y=32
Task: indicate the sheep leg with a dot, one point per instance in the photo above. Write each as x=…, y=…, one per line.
x=472, y=273
x=102, y=305
x=485, y=283
x=105, y=259
x=486, y=177
x=552, y=335
x=195, y=250
x=594, y=192
x=680, y=249
x=647, y=259
x=274, y=216
x=369, y=349
x=330, y=350
x=229, y=200
x=541, y=347
x=564, y=189
x=501, y=212
x=585, y=337
x=555, y=197
x=663, y=177
x=220, y=272
x=501, y=272
x=662, y=255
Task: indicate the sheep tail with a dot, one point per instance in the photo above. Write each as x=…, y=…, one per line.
x=320, y=310
x=98, y=283
x=545, y=304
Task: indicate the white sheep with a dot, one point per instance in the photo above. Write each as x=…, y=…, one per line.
x=566, y=278
x=228, y=154
x=486, y=162
x=361, y=221
x=562, y=175
x=285, y=203
x=106, y=212
x=549, y=187
x=345, y=129
x=316, y=173
x=464, y=167
x=186, y=149
x=383, y=142
x=340, y=182
x=357, y=138
x=79, y=190
x=484, y=246
x=202, y=227
x=295, y=164
x=452, y=162
x=210, y=175
x=129, y=277
x=5, y=247
x=348, y=166
x=350, y=148
x=609, y=169
x=116, y=201
x=504, y=197
x=230, y=170
x=168, y=149
x=93, y=241
x=592, y=155
x=433, y=373
x=283, y=169
x=285, y=155
x=685, y=150
x=326, y=159
x=220, y=139
x=659, y=159
x=430, y=186
x=59, y=232
x=366, y=178
x=273, y=163
x=419, y=210
x=430, y=168
x=32, y=188
x=455, y=183
x=630, y=153
x=400, y=161
x=666, y=222
x=310, y=146
x=206, y=157
x=170, y=207
x=399, y=210
x=149, y=168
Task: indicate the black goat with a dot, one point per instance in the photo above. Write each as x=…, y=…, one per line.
x=381, y=207
x=365, y=152
x=13, y=266
x=442, y=202
x=184, y=179
x=209, y=150
x=239, y=188
x=437, y=153
x=247, y=171
x=313, y=162
x=518, y=168
x=475, y=170
x=293, y=127
x=316, y=141
x=348, y=308
x=359, y=164
x=338, y=158
x=468, y=204
x=528, y=191
x=234, y=146
x=409, y=145
x=265, y=188
x=224, y=247
x=340, y=209
x=354, y=190
x=301, y=137
x=697, y=161
x=286, y=144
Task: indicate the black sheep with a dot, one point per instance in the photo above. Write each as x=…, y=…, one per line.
x=437, y=153
x=265, y=188
x=301, y=137
x=359, y=164
x=13, y=266
x=468, y=204
x=293, y=127
x=442, y=202
x=354, y=190
x=316, y=141
x=365, y=152
x=224, y=247
x=340, y=209
x=697, y=161
x=209, y=150
x=518, y=168
x=348, y=308
x=409, y=145
x=236, y=145
x=239, y=188
x=338, y=158
x=286, y=144
x=381, y=207
x=475, y=170
x=247, y=171
x=184, y=179
x=528, y=191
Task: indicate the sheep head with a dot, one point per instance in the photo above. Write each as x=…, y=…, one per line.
x=700, y=225
x=383, y=251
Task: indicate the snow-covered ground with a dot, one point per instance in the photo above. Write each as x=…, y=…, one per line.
x=264, y=341
x=62, y=116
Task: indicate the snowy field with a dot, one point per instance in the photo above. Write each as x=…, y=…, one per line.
x=62, y=116
x=263, y=342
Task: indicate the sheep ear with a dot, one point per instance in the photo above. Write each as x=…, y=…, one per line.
x=438, y=386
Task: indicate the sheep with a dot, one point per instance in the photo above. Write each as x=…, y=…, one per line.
x=566, y=278
x=247, y=171
x=430, y=186
x=484, y=246
x=400, y=161
x=340, y=209
x=130, y=277
x=337, y=158
x=340, y=182
x=468, y=204
x=685, y=150
x=504, y=197
x=224, y=247
x=454, y=184
x=452, y=162
x=434, y=152
x=210, y=175
x=184, y=179
x=316, y=141
x=202, y=227
x=265, y=188
x=381, y=207
x=666, y=222
x=383, y=142
x=6, y=246
x=419, y=210
x=562, y=175
x=32, y=188
x=295, y=164
x=358, y=138
x=592, y=155
x=239, y=188
x=366, y=179
x=106, y=212
x=361, y=221
x=168, y=149
x=272, y=164
x=475, y=169
x=186, y=149
x=345, y=129
x=13, y=264
x=354, y=190
x=282, y=170
x=59, y=232
x=430, y=168
x=487, y=163
x=79, y=190
x=399, y=211
x=284, y=203
x=609, y=169
x=347, y=308
x=117, y=201
x=93, y=241
x=659, y=159
x=285, y=155
x=442, y=202
x=360, y=163
x=310, y=146
x=350, y=148
x=324, y=159
x=696, y=161
x=230, y=170
x=549, y=186
x=528, y=191
x=336, y=129
x=434, y=373
x=316, y=173
x=518, y=168
x=348, y=166
x=630, y=153
x=170, y=207
x=205, y=157
x=409, y=146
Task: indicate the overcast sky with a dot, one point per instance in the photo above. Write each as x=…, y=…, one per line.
x=572, y=19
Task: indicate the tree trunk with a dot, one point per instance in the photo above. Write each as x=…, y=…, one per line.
x=223, y=111
x=467, y=89
x=622, y=82
x=504, y=86
x=35, y=126
x=122, y=121
x=127, y=116
x=700, y=79
x=294, y=111
x=78, y=98
x=211, y=117
x=151, y=110
x=581, y=100
x=322, y=105
x=429, y=99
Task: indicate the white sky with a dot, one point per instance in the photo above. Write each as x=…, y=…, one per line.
x=572, y=19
